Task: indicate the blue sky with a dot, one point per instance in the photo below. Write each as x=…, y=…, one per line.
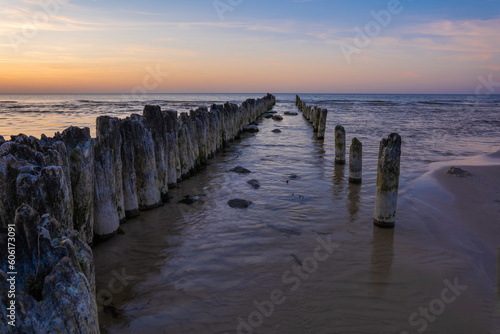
x=248, y=46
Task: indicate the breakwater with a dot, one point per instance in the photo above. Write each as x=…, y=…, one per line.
x=316, y=116
x=94, y=184
x=90, y=185
x=388, y=169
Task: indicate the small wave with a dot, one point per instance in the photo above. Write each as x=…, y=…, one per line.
x=92, y=101
x=332, y=101
x=433, y=103
x=8, y=102
x=382, y=103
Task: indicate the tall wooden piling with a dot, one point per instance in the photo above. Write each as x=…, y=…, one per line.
x=340, y=145
x=498, y=277
x=322, y=123
x=388, y=181
x=355, y=161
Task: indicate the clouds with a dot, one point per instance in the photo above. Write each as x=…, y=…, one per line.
x=258, y=38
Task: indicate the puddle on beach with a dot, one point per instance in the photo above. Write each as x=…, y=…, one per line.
x=303, y=258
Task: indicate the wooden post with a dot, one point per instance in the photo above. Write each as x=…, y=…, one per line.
x=388, y=181
x=355, y=161
x=339, y=145
x=322, y=123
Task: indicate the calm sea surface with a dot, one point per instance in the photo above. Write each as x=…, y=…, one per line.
x=206, y=268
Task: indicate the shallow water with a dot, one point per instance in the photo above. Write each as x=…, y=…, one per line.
x=207, y=268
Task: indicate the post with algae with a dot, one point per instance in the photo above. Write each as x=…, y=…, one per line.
x=322, y=123
x=355, y=161
x=339, y=145
x=388, y=181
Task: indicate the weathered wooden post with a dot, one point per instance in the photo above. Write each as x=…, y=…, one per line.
x=322, y=123
x=340, y=145
x=355, y=161
x=388, y=181
x=498, y=278
x=317, y=120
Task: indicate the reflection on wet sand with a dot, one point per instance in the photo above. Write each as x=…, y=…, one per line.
x=382, y=255
x=338, y=181
x=353, y=200
x=498, y=276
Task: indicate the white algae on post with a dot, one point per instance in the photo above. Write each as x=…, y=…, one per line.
x=388, y=181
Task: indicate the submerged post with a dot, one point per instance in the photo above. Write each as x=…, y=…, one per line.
x=388, y=181
x=322, y=123
x=355, y=161
x=339, y=145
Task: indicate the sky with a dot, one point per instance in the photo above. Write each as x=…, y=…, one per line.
x=249, y=46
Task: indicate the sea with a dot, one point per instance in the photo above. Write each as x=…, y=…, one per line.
x=304, y=257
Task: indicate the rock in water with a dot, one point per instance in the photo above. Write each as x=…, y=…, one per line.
x=278, y=117
x=251, y=129
x=276, y=131
x=254, y=183
x=290, y=113
x=239, y=203
x=188, y=199
x=456, y=171
x=240, y=170
x=56, y=291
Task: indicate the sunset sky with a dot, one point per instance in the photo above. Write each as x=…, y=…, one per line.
x=112, y=46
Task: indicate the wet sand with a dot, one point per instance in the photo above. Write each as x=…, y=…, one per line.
x=476, y=199
x=206, y=268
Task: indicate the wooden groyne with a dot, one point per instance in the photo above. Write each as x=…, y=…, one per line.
x=93, y=184
x=388, y=163
x=316, y=116
x=52, y=188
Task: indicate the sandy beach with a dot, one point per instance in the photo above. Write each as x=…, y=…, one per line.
x=465, y=212
x=376, y=281
x=476, y=200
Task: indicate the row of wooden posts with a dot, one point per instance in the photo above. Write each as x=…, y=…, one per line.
x=92, y=185
x=388, y=162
